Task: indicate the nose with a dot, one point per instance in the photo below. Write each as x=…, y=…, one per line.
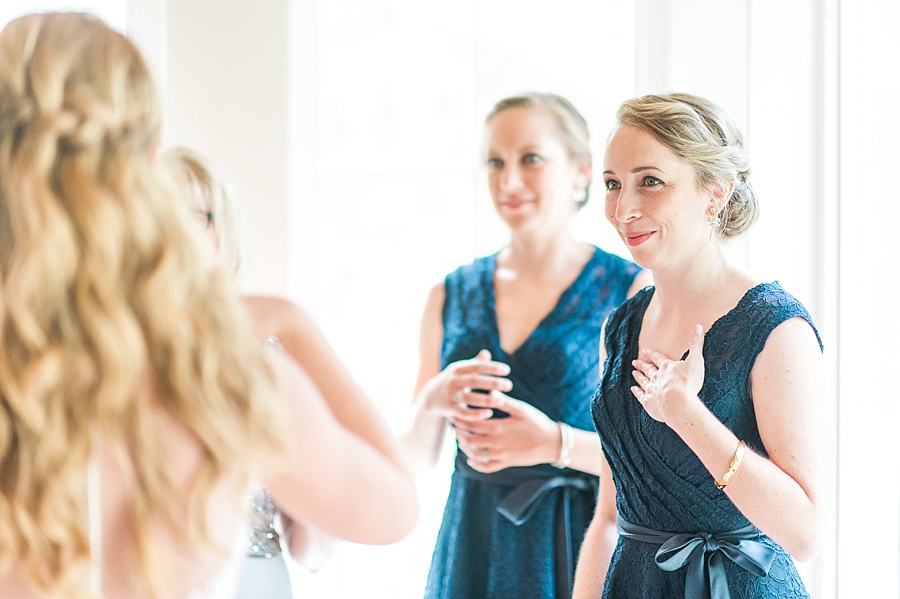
x=627, y=206
x=510, y=177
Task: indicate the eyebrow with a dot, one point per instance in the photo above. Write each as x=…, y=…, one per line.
x=639, y=169
x=526, y=148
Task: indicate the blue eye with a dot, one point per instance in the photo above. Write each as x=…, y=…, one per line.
x=531, y=158
x=651, y=181
x=611, y=184
x=493, y=163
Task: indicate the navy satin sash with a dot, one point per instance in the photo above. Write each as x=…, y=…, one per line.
x=530, y=486
x=703, y=553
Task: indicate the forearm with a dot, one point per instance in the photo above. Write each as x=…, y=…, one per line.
x=328, y=476
x=350, y=405
x=422, y=437
x=586, y=454
x=593, y=560
x=355, y=494
x=766, y=495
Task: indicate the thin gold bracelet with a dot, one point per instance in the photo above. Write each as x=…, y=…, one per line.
x=735, y=464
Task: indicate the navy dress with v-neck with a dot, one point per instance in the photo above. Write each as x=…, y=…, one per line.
x=516, y=533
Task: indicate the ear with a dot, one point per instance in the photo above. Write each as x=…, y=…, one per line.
x=583, y=175
x=721, y=194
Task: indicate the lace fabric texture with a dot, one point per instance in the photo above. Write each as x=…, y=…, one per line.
x=479, y=551
x=660, y=483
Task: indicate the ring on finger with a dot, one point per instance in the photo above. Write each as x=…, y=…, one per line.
x=458, y=396
x=484, y=456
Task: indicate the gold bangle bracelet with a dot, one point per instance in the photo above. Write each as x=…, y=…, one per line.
x=735, y=464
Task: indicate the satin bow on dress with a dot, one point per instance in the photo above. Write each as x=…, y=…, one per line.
x=703, y=554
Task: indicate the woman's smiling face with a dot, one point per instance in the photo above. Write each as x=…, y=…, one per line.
x=531, y=176
x=653, y=199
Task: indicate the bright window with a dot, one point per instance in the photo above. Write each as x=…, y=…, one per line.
x=111, y=11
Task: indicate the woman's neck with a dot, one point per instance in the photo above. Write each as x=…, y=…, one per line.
x=684, y=287
x=539, y=256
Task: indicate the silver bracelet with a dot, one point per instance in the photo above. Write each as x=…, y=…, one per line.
x=567, y=442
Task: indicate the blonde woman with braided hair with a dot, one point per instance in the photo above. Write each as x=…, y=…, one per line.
x=717, y=444
x=135, y=400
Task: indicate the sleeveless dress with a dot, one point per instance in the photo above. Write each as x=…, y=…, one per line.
x=516, y=533
x=660, y=484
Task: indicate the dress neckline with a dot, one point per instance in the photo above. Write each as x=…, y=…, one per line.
x=489, y=273
x=649, y=291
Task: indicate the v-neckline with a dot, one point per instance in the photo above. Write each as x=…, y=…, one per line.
x=491, y=271
x=636, y=340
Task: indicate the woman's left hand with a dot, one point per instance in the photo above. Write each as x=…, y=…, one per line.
x=526, y=438
x=665, y=386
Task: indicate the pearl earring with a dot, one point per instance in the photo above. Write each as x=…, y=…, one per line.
x=579, y=196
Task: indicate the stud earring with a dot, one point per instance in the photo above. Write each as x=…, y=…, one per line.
x=579, y=196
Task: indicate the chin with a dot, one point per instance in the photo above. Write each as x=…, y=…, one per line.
x=644, y=263
x=641, y=257
x=519, y=223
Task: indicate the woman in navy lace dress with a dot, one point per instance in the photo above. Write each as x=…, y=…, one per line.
x=711, y=405
x=509, y=359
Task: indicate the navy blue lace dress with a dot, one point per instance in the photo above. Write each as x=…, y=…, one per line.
x=515, y=533
x=660, y=483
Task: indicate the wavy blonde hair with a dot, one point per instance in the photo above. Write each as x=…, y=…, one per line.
x=104, y=295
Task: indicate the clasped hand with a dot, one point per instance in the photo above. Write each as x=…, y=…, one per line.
x=526, y=437
x=450, y=395
x=666, y=386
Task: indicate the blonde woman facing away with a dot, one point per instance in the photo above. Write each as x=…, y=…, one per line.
x=137, y=402
x=710, y=409
x=263, y=573
x=509, y=350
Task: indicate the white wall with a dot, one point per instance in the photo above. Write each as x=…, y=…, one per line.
x=869, y=493
x=224, y=70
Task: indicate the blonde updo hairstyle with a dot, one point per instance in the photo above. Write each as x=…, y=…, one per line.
x=571, y=128
x=704, y=136
x=194, y=179
x=109, y=317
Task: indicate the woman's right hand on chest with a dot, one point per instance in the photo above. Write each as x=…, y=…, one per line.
x=450, y=393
